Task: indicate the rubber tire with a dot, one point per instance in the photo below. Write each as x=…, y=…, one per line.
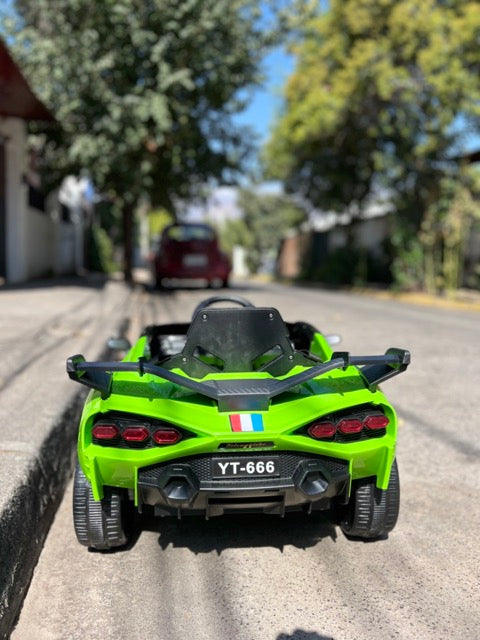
x=372, y=513
x=98, y=524
x=215, y=283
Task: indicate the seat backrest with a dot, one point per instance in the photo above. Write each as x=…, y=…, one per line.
x=232, y=340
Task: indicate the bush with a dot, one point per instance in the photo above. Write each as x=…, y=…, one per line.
x=349, y=266
x=408, y=263
x=100, y=250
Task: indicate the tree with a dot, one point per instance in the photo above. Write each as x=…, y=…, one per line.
x=143, y=90
x=382, y=96
x=444, y=233
x=265, y=219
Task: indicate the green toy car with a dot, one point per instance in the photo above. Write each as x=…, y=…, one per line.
x=235, y=412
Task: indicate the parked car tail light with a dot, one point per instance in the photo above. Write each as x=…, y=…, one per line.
x=350, y=426
x=135, y=434
x=103, y=431
x=166, y=436
x=376, y=422
x=322, y=430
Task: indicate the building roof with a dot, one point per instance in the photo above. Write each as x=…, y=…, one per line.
x=17, y=100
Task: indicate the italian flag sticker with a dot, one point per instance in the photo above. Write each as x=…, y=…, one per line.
x=246, y=422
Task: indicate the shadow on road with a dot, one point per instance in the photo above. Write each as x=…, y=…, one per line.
x=227, y=532
x=465, y=447
x=88, y=281
x=238, y=288
x=300, y=634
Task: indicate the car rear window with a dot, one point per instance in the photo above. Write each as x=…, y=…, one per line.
x=186, y=233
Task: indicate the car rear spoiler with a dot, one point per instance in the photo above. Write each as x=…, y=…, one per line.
x=241, y=394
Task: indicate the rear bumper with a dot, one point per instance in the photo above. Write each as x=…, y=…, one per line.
x=186, y=487
x=193, y=273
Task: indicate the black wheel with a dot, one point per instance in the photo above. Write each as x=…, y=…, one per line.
x=372, y=512
x=99, y=524
x=215, y=283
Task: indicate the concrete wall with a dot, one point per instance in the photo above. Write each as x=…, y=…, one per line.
x=364, y=234
x=37, y=243
x=13, y=131
x=40, y=240
x=239, y=262
x=69, y=248
x=291, y=255
x=370, y=234
x=337, y=238
x=53, y=248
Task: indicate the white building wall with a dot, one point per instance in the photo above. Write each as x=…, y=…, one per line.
x=337, y=238
x=68, y=253
x=37, y=243
x=13, y=130
x=40, y=241
x=368, y=233
x=239, y=262
x=371, y=233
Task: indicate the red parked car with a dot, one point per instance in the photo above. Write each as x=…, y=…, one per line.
x=191, y=252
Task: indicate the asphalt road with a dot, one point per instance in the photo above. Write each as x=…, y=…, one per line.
x=263, y=578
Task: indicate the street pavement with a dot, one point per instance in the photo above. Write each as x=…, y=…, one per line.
x=263, y=578
x=41, y=324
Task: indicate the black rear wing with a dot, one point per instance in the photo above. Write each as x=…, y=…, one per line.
x=241, y=394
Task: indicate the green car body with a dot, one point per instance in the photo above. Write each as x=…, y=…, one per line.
x=205, y=432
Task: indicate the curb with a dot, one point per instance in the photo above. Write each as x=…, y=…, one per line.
x=43, y=473
x=463, y=299
x=461, y=302
x=33, y=508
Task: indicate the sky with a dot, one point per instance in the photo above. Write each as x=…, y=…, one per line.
x=264, y=106
x=265, y=103
x=266, y=100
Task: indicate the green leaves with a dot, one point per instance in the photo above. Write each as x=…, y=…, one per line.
x=383, y=96
x=266, y=218
x=376, y=98
x=144, y=92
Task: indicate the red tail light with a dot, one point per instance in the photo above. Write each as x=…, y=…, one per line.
x=350, y=426
x=103, y=431
x=135, y=434
x=166, y=436
x=357, y=424
x=322, y=430
x=376, y=422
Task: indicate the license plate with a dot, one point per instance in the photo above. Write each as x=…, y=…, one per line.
x=245, y=467
x=194, y=260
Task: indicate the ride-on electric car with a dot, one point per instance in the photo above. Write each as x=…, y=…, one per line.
x=236, y=411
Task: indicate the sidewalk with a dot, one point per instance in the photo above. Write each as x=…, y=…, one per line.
x=461, y=300
x=41, y=325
